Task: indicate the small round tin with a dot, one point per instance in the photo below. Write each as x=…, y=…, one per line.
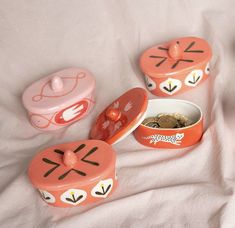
x=176, y=66
x=60, y=99
x=75, y=173
x=128, y=120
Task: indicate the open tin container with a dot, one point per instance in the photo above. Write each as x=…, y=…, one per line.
x=176, y=66
x=60, y=99
x=126, y=114
x=75, y=173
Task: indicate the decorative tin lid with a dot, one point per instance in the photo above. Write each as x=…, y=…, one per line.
x=71, y=165
x=58, y=90
x=121, y=117
x=175, y=56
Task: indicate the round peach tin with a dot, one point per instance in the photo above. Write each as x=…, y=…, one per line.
x=126, y=114
x=60, y=99
x=75, y=173
x=176, y=66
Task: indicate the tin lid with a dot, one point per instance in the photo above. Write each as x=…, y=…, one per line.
x=71, y=165
x=121, y=117
x=175, y=56
x=58, y=90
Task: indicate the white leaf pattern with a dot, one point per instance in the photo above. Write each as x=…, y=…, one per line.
x=105, y=124
x=193, y=78
x=116, y=104
x=117, y=125
x=70, y=113
x=73, y=196
x=170, y=86
x=128, y=106
x=103, y=188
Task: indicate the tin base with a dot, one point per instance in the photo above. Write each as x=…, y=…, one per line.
x=171, y=138
x=178, y=83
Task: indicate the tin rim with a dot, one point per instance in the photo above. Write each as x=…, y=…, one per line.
x=180, y=101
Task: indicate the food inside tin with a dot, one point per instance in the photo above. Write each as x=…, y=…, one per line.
x=168, y=120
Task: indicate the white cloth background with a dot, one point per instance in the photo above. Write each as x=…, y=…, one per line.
x=193, y=187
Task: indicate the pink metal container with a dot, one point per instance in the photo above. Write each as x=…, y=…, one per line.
x=60, y=99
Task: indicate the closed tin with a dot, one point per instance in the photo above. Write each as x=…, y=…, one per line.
x=176, y=66
x=75, y=173
x=60, y=99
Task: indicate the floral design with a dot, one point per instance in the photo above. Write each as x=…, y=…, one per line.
x=43, y=121
x=128, y=107
x=117, y=126
x=193, y=78
x=105, y=124
x=103, y=188
x=72, y=112
x=151, y=85
x=170, y=86
x=73, y=196
x=116, y=104
x=47, y=196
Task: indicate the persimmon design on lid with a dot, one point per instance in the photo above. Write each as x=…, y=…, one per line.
x=176, y=60
x=179, y=54
x=79, y=166
x=121, y=117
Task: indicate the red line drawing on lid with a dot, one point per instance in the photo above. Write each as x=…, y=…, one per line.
x=40, y=96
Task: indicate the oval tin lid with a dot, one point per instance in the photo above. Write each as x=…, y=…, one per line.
x=71, y=164
x=58, y=90
x=121, y=117
x=175, y=56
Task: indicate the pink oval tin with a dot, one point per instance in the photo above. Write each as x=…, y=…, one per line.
x=60, y=99
x=75, y=173
x=176, y=66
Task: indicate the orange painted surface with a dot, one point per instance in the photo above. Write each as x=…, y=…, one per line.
x=120, y=117
x=71, y=174
x=168, y=66
x=169, y=138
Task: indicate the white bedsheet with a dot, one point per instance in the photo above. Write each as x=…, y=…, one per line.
x=193, y=187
